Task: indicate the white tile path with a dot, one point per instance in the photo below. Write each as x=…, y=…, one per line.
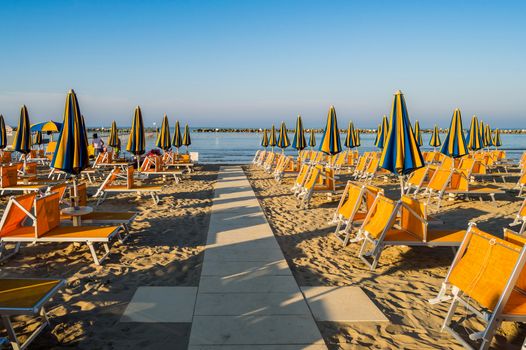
x=247, y=297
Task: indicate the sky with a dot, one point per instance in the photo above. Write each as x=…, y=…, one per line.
x=228, y=63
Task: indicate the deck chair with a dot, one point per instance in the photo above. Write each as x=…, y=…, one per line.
x=317, y=180
x=124, y=218
x=417, y=179
x=6, y=157
x=282, y=167
x=46, y=226
x=269, y=162
x=520, y=218
x=178, y=160
x=355, y=203
x=9, y=181
x=108, y=186
x=401, y=223
x=256, y=156
x=487, y=278
x=521, y=183
x=153, y=165
x=26, y=297
x=461, y=184
x=261, y=159
x=301, y=178
x=361, y=166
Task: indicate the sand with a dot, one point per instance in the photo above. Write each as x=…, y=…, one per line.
x=402, y=283
x=165, y=249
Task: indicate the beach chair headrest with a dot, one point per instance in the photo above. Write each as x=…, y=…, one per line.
x=47, y=212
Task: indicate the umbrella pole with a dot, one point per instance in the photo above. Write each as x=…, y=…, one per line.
x=25, y=163
x=401, y=178
x=75, y=200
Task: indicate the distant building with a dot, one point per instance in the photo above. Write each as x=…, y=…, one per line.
x=9, y=130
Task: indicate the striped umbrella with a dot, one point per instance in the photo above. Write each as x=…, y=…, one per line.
x=264, y=140
x=357, y=138
x=350, y=138
x=378, y=134
x=401, y=154
x=418, y=134
x=496, y=140
x=163, y=139
x=385, y=131
x=473, y=138
x=22, y=141
x=187, y=141
x=71, y=153
x=113, y=138
x=299, y=142
x=283, y=138
x=481, y=132
x=3, y=133
x=37, y=138
x=435, y=138
x=136, y=140
x=488, y=140
x=330, y=141
x=177, y=140
x=455, y=143
x=312, y=139
x=272, y=138
x=85, y=130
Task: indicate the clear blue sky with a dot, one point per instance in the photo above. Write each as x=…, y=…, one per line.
x=251, y=63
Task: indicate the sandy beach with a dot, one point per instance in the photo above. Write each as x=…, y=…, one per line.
x=165, y=249
x=404, y=279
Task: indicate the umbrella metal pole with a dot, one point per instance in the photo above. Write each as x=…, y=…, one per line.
x=75, y=203
x=401, y=185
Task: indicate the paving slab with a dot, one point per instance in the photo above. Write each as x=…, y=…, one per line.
x=258, y=347
x=241, y=252
x=254, y=330
x=342, y=304
x=248, y=284
x=252, y=268
x=161, y=305
x=244, y=304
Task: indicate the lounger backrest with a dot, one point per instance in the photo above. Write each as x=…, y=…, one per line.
x=14, y=216
x=380, y=216
x=302, y=174
x=522, y=210
x=82, y=193
x=31, y=168
x=362, y=161
x=47, y=212
x=9, y=176
x=129, y=177
x=60, y=189
x=312, y=178
x=112, y=176
x=352, y=203
x=485, y=267
x=447, y=163
x=411, y=210
x=373, y=166
x=439, y=180
x=520, y=241
x=145, y=165
x=370, y=195
x=417, y=177
x=6, y=157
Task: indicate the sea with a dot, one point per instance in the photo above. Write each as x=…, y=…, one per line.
x=239, y=148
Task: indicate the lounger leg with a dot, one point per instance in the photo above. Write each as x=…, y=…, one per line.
x=452, y=308
x=93, y=253
x=11, y=333
x=441, y=296
x=489, y=333
x=6, y=255
x=126, y=233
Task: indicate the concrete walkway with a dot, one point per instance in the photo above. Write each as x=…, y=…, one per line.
x=247, y=297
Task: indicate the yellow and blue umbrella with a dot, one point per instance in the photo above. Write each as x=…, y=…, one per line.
x=187, y=141
x=378, y=134
x=435, y=138
x=71, y=153
x=455, y=143
x=272, y=138
x=37, y=138
x=283, y=138
x=312, y=139
x=418, y=134
x=49, y=126
x=299, y=142
x=113, y=138
x=401, y=154
x=3, y=133
x=473, y=138
x=22, y=142
x=350, y=138
x=163, y=139
x=330, y=141
x=357, y=138
x=482, y=128
x=497, y=142
x=264, y=139
x=136, y=140
x=385, y=131
x=177, y=140
x=488, y=140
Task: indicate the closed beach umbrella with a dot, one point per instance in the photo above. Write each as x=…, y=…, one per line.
x=136, y=140
x=283, y=138
x=418, y=134
x=482, y=128
x=455, y=143
x=330, y=141
x=299, y=142
x=435, y=138
x=3, y=133
x=312, y=139
x=177, y=140
x=378, y=135
x=401, y=154
x=488, y=140
x=350, y=138
x=272, y=138
x=357, y=138
x=496, y=140
x=264, y=139
x=37, y=138
x=473, y=139
x=113, y=138
x=163, y=139
x=22, y=142
x=187, y=141
x=385, y=131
